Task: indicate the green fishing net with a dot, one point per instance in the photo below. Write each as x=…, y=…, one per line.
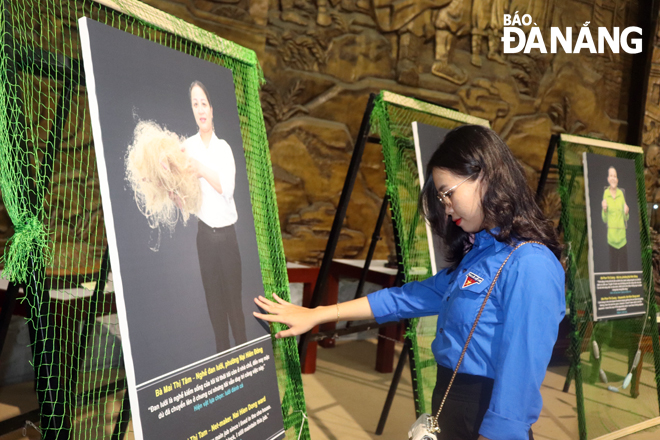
x=610, y=345
x=392, y=119
x=600, y=410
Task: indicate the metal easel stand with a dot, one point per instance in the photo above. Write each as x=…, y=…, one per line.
x=320, y=289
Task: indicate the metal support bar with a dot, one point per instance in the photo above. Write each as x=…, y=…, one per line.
x=6, y=312
x=375, y=238
x=55, y=421
x=393, y=386
x=123, y=418
x=332, y=334
x=321, y=287
x=552, y=146
x=97, y=297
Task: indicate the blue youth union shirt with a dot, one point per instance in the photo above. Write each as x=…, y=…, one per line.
x=513, y=341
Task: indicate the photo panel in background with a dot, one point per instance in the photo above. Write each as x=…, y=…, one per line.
x=613, y=222
x=427, y=138
x=183, y=249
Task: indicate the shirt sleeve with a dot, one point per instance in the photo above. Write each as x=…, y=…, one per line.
x=412, y=300
x=533, y=304
x=226, y=169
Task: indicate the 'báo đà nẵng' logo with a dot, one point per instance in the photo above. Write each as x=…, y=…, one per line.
x=515, y=40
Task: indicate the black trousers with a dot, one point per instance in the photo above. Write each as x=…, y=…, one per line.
x=220, y=266
x=618, y=259
x=466, y=405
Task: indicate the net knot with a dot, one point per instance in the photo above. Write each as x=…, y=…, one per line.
x=30, y=240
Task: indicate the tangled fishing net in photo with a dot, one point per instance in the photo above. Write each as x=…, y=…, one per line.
x=164, y=184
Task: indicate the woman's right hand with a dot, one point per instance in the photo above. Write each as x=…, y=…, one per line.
x=195, y=167
x=604, y=205
x=299, y=319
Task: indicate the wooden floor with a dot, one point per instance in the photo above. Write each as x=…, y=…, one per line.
x=345, y=397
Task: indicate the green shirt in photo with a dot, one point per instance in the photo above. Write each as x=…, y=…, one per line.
x=615, y=218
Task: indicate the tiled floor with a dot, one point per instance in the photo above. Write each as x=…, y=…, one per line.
x=345, y=397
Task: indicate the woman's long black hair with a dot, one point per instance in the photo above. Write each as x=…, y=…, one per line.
x=508, y=201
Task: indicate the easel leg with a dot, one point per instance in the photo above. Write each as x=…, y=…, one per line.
x=546, y=166
x=332, y=297
x=342, y=206
x=375, y=238
x=7, y=311
x=393, y=386
x=55, y=422
x=308, y=363
x=122, y=418
x=385, y=349
x=569, y=378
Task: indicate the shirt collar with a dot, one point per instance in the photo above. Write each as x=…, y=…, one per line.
x=483, y=239
x=213, y=136
x=616, y=192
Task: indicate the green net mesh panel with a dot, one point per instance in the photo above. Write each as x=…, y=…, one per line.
x=601, y=411
x=50, y=187
x=392, y=119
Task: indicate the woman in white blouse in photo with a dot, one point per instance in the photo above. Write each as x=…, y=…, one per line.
x=217, y=245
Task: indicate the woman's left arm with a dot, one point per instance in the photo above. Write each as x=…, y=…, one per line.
x=533, y=304
x=208, y=173
x=220, y=173
x=226, y=168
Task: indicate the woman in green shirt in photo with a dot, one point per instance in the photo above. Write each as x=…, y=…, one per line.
x=615, y=213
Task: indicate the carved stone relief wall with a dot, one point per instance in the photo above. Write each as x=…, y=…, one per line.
x=651, y=131
x=322, y=58
x=650, y=144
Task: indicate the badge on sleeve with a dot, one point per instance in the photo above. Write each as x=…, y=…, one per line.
x=472, y=278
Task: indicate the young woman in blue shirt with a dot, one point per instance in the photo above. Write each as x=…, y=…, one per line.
x=476, y=198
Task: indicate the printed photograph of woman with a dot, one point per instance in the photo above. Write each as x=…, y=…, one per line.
x=174, y=183
x=613, y=231
x=217, y=246
x=615, y=214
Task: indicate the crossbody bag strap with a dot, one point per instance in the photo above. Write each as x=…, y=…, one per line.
x=434, y=420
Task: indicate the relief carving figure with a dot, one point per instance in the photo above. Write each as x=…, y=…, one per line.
x=487, y=21
x=293, y=12
x=323, y=17
x=417, y=20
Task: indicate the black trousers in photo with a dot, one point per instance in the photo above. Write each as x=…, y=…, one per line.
x=618, y=259
x=466, y=405
x=220, y=266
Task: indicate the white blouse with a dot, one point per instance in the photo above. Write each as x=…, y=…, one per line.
x=217, y=210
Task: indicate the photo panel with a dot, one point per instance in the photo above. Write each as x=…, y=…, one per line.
x=427, y=139
x=613, y=219
x=182, y=240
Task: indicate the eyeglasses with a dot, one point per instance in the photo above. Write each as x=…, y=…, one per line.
x=444, y=197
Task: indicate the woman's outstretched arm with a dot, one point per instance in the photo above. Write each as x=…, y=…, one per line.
x=301, y=319
x=207, y=173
